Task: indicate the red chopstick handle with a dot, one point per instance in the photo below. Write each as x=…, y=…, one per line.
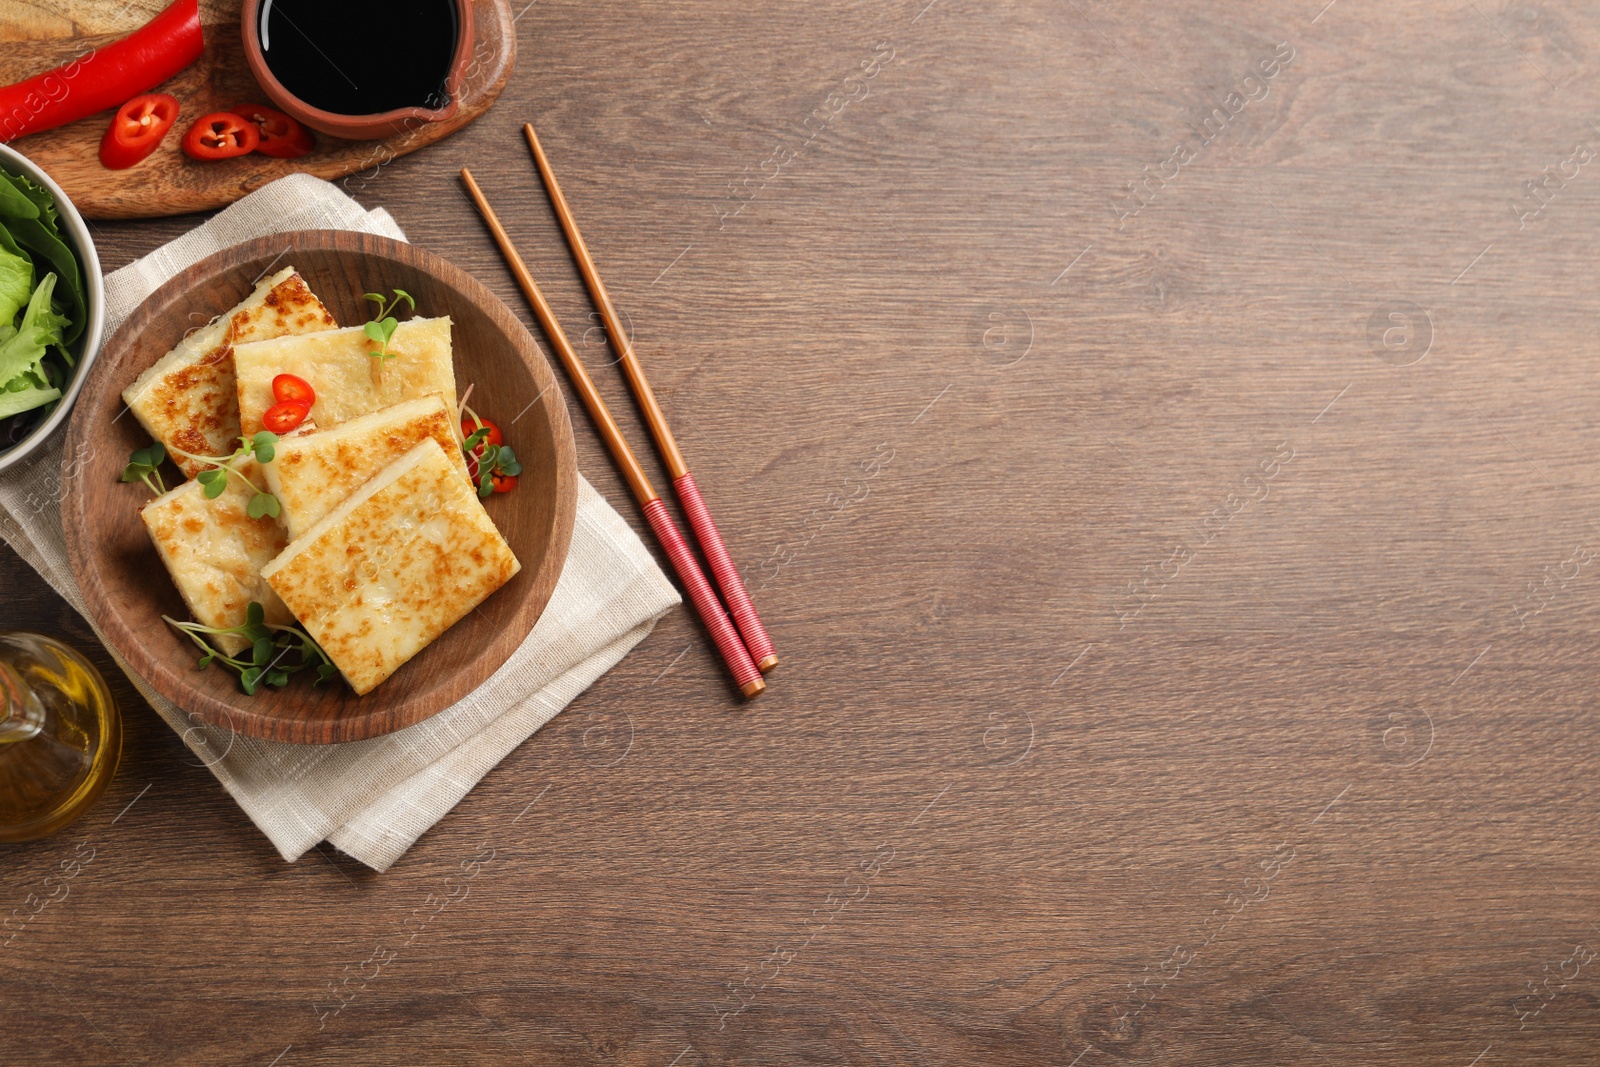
x=726, y=574
x=705, y=600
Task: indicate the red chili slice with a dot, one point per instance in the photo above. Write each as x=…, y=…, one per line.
x=136, y=130
x=469, y=427
x=504, y=483
x=292, y=389
x=285, y=416
x=282, y=137
x=222, y=135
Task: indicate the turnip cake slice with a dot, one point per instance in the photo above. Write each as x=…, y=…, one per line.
x=394, y=566
x=215, y=551
x=189, y=400
x=348, y=380
x=315, y=473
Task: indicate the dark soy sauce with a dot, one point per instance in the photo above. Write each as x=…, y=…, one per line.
x=361, y=57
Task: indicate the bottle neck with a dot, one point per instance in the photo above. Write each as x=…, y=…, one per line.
x=21, y=714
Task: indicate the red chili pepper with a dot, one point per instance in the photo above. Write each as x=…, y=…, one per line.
x=504, y=483
x=221, y=135
x=281, y=136
x=469, y=427
x=285, y=416
x=292, y=389
x=136, y=130
x=105, y=77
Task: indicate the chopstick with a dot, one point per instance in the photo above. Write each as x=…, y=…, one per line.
x=734, y=653
x=694, y=506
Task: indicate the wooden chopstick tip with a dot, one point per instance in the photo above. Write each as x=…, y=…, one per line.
x=753, y=689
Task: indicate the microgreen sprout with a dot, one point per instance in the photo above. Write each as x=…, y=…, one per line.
x=383, y=324
x=261, y=448
x=263, y=663
x=493, y=460
x=144, y=465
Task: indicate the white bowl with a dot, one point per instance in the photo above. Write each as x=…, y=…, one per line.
x=87, y=347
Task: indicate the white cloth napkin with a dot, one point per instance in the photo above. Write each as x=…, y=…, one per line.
x=371, y=799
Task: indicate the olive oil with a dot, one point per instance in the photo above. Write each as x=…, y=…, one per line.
x=361, y=57
x=60, y=736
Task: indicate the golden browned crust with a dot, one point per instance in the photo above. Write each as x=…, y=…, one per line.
x=214, y=552
x=189, y=400
x=315, y=473
x=395, y=566
x=348, y=381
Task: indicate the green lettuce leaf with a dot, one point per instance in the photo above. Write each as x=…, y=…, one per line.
x=16, y=284
x=33, y=388
x=9, y=244
x=39, y=197
x=14, y=203
x=41, y=236
x=22, y=353
x=26, y=400
x=25, y=380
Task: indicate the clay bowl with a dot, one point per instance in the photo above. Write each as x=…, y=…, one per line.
x=127, y=588
x=357, y=127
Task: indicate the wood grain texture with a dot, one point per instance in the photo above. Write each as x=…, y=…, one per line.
x=169, y=182
x=946, y=411
x=127, y=588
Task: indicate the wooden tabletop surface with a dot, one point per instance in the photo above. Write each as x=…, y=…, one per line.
x=1188, y=593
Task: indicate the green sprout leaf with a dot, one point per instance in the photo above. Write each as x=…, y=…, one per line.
x=486, y=461
x=381, y=328
x=215, y=477
x=143, y=466
x=267, y=660
x=264, y=504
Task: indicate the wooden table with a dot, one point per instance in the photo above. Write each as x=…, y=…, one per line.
x=1188, y=595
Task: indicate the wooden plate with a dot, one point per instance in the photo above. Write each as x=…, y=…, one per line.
x=125, y=585
x=169, y=182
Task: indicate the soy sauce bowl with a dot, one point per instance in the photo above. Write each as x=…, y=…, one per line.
x=84, y=350
x=357, y=127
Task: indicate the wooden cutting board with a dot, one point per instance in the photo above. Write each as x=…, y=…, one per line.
x=41, y=34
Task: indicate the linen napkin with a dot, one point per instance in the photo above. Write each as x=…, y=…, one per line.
x=371, y=799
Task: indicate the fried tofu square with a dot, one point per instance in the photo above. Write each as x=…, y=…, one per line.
x=214, y=552
x=377, y=579
x=188, y=400
x=348, y=380
x=314, y=473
